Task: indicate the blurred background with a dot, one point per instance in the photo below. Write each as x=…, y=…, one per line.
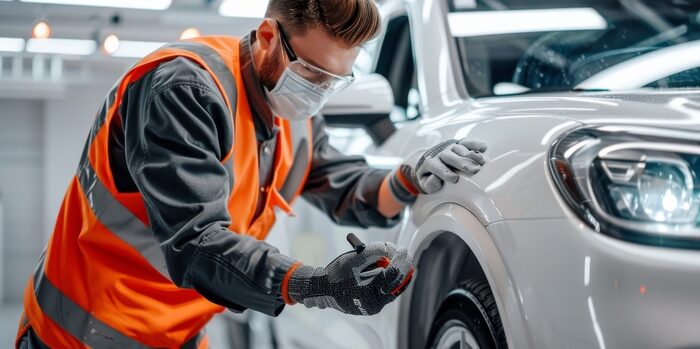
x=58, y=58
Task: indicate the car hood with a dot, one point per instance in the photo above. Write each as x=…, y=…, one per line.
x=677, y=109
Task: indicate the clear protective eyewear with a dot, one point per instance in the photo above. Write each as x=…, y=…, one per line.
x=321, y=78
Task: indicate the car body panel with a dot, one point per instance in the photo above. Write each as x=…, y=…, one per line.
x=675, y=109
x=453, y=219
x=437, y=76
x=557, y=284
x=582, y=289
x=515, y=172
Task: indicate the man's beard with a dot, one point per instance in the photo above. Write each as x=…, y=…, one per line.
x=269, y=70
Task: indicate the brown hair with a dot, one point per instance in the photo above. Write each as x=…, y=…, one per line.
x=352, y=21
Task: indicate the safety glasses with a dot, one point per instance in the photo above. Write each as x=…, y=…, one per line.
x=322, y=79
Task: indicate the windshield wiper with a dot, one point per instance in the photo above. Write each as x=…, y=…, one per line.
x=580, y=89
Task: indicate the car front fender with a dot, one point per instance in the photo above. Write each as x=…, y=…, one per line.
x=454, y=219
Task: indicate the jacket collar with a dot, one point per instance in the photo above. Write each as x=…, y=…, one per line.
x=263, y=118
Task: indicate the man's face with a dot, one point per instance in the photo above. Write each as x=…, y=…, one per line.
x=315, y=47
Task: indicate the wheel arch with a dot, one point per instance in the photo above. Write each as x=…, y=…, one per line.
x=450, y=246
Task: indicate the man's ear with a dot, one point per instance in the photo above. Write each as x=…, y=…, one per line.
x=266, y=33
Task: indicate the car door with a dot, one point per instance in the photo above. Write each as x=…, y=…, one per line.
x=313, y=238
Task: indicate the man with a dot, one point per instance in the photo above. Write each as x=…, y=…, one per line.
x=190, y=155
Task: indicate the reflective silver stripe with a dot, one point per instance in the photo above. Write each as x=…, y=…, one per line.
x=109, y=211
x=74, y=319
x=300, y=149
x=99, y=121
x=228, y=165
x=24, y=321
x=119, y=220
x=215, y=63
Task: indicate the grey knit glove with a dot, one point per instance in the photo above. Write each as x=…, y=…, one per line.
x=359, y=282
x=425, y=172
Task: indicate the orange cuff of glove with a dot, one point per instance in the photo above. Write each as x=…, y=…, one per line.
x=285, y=282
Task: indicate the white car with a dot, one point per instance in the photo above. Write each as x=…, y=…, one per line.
x=581, y=231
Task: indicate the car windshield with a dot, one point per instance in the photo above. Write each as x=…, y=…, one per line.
x=520, y=46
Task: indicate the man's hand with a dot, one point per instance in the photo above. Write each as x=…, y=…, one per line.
x=359, y=282
x=425, y=172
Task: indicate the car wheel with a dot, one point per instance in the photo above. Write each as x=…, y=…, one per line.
x=468, y=318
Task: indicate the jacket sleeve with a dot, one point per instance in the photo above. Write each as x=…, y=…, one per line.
x=342, y=186
x=177, y=130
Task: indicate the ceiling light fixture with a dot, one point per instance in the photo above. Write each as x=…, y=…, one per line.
x=11, y=45
x=243, y=8
x=134, y=4
x=62, y=46
x=481, y=23
x=136, y=49
x=41, y=30
x=110, y=44
x=190, y=33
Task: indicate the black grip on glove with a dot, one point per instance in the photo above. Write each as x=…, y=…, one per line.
x=359, y=283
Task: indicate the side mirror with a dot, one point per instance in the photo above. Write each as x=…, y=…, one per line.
x=366, y=103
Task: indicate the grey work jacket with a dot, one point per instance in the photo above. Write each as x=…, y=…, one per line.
x=173, y=131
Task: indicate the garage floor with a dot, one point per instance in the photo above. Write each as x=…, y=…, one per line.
x=9, y=315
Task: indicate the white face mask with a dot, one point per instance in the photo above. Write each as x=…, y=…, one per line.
x=294, y=98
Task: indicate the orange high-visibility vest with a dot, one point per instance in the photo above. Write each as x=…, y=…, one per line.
x=102, y=281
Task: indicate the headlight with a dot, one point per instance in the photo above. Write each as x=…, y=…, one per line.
x=632, y=184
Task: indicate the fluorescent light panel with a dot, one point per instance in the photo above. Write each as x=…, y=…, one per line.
x=136, y=49
x=480, y=23
x=135, y=4
x=62, y=46
x=243, y=8
x=11, y=45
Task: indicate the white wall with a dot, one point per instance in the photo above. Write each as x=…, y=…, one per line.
x=68, y=122
x=40, y=145
x=21, y=184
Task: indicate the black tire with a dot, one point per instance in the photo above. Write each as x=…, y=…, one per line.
x=471, y=307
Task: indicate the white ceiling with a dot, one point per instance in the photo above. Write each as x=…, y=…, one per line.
x=80, y=22
x=45, y=76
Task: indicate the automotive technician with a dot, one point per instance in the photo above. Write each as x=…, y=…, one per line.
x=189, y=156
